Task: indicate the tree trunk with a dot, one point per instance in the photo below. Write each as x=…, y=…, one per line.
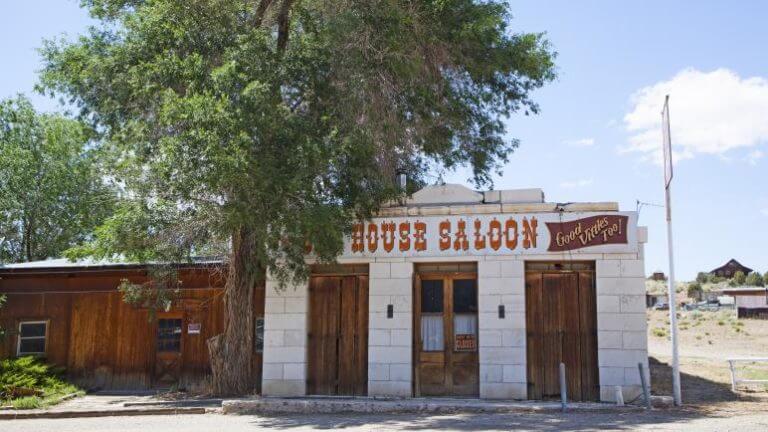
x=232, y=352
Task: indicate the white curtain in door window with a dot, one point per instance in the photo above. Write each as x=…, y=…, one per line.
x=432, y=332
x=465, y=324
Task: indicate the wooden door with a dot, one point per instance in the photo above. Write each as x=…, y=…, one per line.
x=338, y=336
x=446, y=335
x=561, y=327
x=168, y=359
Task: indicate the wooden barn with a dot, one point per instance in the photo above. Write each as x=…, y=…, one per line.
x=72, y=314
x=730, y=268
x=453, y=292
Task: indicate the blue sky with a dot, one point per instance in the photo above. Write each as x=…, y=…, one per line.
x=594, y=139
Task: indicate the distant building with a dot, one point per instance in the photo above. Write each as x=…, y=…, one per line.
x=652, y=300
x=751, y=302
x=730, y=268
x=658, y=276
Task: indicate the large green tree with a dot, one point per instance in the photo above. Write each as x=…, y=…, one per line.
x=52, y=195
x=274, y=124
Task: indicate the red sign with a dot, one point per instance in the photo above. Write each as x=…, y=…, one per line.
x=465, y=342
x=591, y=231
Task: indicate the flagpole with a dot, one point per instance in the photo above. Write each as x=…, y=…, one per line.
x=671, y=286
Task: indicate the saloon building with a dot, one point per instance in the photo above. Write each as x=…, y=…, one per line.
x=451, y=293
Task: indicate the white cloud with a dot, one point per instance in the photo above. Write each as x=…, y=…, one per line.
x=576, y=183
x=581, y=142
x=754, y=156
x=710, y=113
x=764, y=211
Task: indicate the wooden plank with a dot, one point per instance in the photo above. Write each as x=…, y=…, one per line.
x=431, y=365
x=416, y=333
x=346, y=348
x=533, y=325
x=361, y=337
x=323, y=338
x=101, y=340
x=571, y=331
x=448, y=335
x=446, y=372
x=553, y=309
x=561, y=322
x=464, y=370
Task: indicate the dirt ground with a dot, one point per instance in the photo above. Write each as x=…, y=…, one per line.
x=706, y=340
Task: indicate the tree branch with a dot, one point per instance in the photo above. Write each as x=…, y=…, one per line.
x=283, y=25
x=261, y=10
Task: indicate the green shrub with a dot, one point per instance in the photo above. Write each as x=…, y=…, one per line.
x=694, y=290
x=27, y=402
x=659, y=332
x=27, y=382
x=739, y=278
x=754, y=279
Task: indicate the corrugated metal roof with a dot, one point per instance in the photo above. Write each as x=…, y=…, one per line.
x=743, y=289
x=64, y=263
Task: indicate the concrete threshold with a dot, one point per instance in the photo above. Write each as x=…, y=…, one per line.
x=17, y=415
x=205, y=403
x=313, y=405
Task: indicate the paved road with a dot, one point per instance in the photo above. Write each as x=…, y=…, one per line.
x=657, y=420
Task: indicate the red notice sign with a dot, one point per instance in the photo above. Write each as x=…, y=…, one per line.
x=465, y=342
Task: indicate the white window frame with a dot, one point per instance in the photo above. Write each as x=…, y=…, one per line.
x=44, y=338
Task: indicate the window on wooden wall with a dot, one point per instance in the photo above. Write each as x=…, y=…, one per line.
x=169, y=335
x=32, y=338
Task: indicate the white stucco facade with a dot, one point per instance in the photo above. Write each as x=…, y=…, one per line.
x=619, y=287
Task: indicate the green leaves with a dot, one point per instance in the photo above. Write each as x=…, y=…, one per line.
x=288, y=119
x=52, y=194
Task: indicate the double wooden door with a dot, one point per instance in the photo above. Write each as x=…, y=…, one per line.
x=561, y=323
x=446, y=335
x=338, y=335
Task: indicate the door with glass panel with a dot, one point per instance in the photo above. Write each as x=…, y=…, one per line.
x=446, y=335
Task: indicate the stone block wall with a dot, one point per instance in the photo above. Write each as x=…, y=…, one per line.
x=622, y=337
x=502, y=340
x=390, y=347
x=285, y=339
x=621, y=321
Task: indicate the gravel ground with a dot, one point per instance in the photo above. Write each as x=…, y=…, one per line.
x=666, y=420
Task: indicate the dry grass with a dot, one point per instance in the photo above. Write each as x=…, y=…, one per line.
x=706, y=340
x=715, y=335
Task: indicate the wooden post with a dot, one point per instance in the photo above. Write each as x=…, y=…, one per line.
x=563, y=387
x=618, y=395
x=733, y=375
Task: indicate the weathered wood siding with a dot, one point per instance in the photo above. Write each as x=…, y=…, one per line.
x=101, y=340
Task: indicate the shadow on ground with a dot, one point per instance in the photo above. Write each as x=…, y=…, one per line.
x=696, y=390
x=703, y=397
x=570, y=421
